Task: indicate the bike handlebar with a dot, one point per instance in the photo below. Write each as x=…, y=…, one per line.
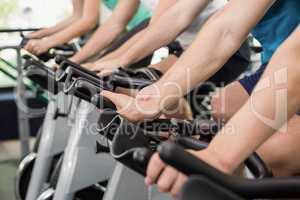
x=251, y=189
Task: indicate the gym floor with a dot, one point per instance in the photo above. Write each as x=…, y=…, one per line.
x=9, y=159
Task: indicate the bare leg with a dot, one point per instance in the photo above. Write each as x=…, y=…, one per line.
x=281, y=151
x=227, y=101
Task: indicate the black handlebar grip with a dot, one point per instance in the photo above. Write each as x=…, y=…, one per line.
x=185, y=162
x=142, y=156
x=103, y=103
x=267, y=188
x=191, y=143
x=258, y=167
x=59, y=59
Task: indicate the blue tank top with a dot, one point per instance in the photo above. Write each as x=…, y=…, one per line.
x=278, y=23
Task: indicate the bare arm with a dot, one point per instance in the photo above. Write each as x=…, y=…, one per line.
x=165, y=30
x=275, y=100
x=217, y=41
x=86, y=22
x=161, y=8
x=110, y=30
x=77, y=4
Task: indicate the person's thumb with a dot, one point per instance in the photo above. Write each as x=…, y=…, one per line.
x=119, y=100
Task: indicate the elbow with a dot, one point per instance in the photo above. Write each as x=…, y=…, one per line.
x=232, y=35
x=230, y=39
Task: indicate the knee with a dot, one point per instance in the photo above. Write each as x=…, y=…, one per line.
x=277, y=161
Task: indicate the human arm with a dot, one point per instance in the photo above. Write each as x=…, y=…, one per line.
x=165, y=30
x=112, y=60
x=86, y=22
x=109, y=31
x=216, y=42
x=76, y=13
x=274, y=101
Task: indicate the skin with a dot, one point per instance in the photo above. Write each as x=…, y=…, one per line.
x=223, y=29
x=85, y=17
x=245, y=138
x=109, y=31
x=210, y=57
x=167, y=23
x=110, y=62
x=283, y=161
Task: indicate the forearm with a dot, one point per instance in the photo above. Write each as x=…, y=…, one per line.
x=103, y=37
x=191, y=69
x=220, y=37
x=154, y=38
x=86, y=15
x=121, y=50
x=53, y=29
x=108, y=32
x=60, y=26
x=77, y=29
x=274, y=101
x=164, y=27
x=161, y=8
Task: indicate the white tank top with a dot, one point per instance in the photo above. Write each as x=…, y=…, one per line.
x=188, y=36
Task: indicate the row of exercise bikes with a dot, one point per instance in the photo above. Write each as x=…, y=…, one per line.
x=85, y=150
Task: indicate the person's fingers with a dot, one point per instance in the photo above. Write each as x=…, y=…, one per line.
x=154, y=169
x=105, y=72
x=29, y=46
x=32, y=35
x=167, y=179
x=96, y=68
x=147, y=93
x=117, y=99
x=88, y=65
x=177, y=186
x=35, y=50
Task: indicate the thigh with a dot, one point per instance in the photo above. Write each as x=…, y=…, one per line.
x=282, y=150
x=228, y=100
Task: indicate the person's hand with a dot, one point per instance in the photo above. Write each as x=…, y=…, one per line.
x=104, y=68
x=146, y=104
x=167, y=178
x=38, y=46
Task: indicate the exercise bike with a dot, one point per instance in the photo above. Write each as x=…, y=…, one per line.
x=56, y=116
x=206, y=182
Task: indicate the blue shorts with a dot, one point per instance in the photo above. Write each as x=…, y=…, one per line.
x=249, y=82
